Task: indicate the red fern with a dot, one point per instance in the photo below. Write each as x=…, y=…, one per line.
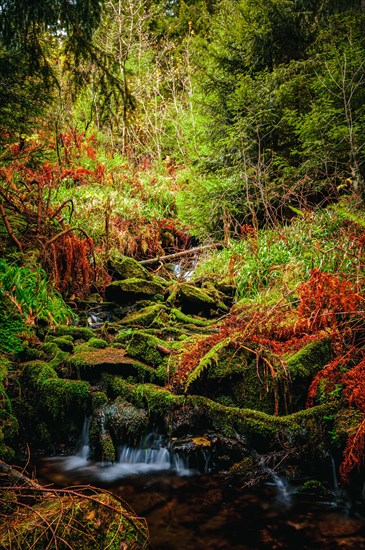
x=354, y=452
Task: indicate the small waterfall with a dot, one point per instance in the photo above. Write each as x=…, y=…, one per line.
x=283, y=495
x=185, y=268
x=334, y=475
x=84, y=447
x=151, y=456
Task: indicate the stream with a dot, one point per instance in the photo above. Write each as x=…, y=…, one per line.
x=187, y=510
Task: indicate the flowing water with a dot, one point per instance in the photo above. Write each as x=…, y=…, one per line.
x=190, y=511
x=151, y=456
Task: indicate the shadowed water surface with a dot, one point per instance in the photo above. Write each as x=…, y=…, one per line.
x=202, y=512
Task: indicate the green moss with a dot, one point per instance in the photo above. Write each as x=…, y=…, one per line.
x=27, y=353
x=97, y=343
x=307, y=424
x=144, y=317
x=53, y=394
x=153, y=398
x=310, y=359
x=58, y=360
x=144, y=346
x=132, y=290
x=190, y=294
x=98, y=399
x=181, y=317
x=315, y=488
x=214, y=293
x=65, y=343
x=234, y=377
x=107, y=447
x=49, y=350
x=123, y=267
x=77, y=333
x=89, y=363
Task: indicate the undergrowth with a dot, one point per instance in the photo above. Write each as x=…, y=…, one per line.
x=277, y=260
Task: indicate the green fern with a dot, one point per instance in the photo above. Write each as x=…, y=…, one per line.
x=206, y=361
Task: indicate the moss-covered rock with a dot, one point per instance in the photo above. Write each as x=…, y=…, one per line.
x=89, y=363
x=132, y=290
x=315, y=489
x=77, y=333
x=65, y=343
x=304, y=365
x=235, y=378
x=122, y=421
x=180, y=317
x=195, y=300
x=123, y=267
x=262, y=428
x=310, y=359
x=147, y=348
x=97, y=343
x=54, y=395
x=145, y=316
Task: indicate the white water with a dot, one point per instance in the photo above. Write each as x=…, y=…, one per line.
x=334, y=476
x=283, y=495
x=184, y=269
x=151, y=456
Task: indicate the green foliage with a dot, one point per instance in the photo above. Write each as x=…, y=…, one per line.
x=281, y=89
x=209, y=359
x=279, y=258
x=30, y=34
x=8, y=422
x=31, y=294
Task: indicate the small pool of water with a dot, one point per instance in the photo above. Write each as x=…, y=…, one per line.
x=201, y=512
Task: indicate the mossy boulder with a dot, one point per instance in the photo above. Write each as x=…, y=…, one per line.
x=123, y=267
x=97, y=343
x=117, y=423
x=178, y=316
x=260, y=428
x=148, y=348
x=304, y=365
x=89, y=363
x=195, y=300
x=64, y=343
x=132, y=290
x=54, y=395
x=310, y=359
x=77, y=333
x=145, y=316
x=235, y=378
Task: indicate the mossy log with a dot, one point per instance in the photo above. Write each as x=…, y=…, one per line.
x=227, y=420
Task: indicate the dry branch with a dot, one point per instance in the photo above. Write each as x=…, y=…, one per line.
x=189, y=252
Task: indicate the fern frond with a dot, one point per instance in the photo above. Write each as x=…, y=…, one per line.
x=206, y=361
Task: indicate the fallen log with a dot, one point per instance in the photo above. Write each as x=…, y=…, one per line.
x=189, y=252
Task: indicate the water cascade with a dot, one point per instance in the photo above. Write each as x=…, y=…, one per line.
x=151, y=456
x=283, y=495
